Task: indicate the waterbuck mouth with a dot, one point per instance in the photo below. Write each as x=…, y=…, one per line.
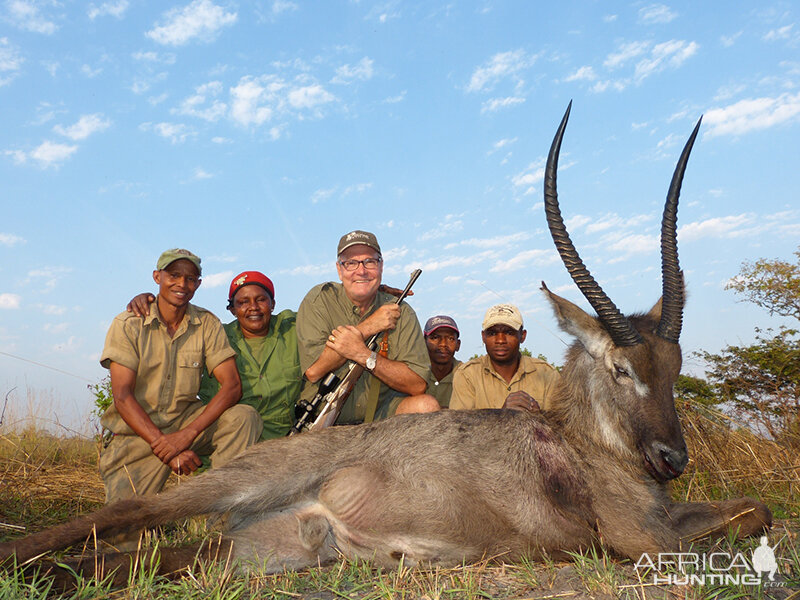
x=660, y=469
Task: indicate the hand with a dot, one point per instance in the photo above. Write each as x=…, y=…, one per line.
x=396, y=292
x=521, y=401
x=347, y=342
x=186, y=463
x=171, y=445
x=383, y=319
x=140, y=305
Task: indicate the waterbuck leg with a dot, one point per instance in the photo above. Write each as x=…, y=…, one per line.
x=120, y=566
x=697, y=520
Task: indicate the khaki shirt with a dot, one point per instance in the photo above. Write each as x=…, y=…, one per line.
x=441, y=390
x=327, y=307
x=477, y=385
x=167, y=368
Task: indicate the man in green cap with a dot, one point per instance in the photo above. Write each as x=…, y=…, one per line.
x=335, y=319
x=155, y=361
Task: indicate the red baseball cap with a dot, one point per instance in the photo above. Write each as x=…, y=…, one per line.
x=251, y=278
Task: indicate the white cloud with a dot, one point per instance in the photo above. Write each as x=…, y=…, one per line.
x=256, y=100
x=10, y=301
x=201, y=174
x=71, y=346
x=52, y=309
x=9, y=239
x=624, y=53
x=729, y=40
x=49, y=153
x=452, y=224
x=752, y=115
x=360, y=71
x=280, y=6
x=782, y=33
x=108, y=9
x=635, y=243
x=493, y=242
x=667, y=54
x=213, y=280
x=86, y=126
x=49, y=275
x=90, y=72
x=609, y=18
x=395, y=99
x=204, y=103
x=499, y=144
x=656, y=13
x=309, y=96
x=582, y=74
x=540, y=258
x=176, y=133
x=530, y=177
x=55, y=327
x=200, y=19
x=10, y=60
x=25, y=14
x=322, y=195
x=167, y=58
x=356, y=188
x=496, y=104
x=499, y=66
x=717, y=227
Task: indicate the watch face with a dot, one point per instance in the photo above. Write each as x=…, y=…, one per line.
x=372, y=361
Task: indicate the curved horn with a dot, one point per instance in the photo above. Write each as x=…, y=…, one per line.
x=673, y=294
x=617, y=325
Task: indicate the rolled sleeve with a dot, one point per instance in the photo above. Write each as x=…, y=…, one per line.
x=410, y=346
x=218, y=348
x=313, y=328
x=121, y=345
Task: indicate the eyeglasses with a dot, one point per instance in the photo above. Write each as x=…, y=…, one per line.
x=370, y=264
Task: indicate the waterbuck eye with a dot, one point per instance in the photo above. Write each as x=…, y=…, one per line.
x=620, y=371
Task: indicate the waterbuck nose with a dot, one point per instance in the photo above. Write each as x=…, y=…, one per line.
x=675, y=459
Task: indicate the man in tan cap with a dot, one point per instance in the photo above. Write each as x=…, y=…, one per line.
x=155, y=361
x=504, y=377
x=335, y=319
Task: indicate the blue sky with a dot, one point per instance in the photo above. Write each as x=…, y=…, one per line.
x=256, y=133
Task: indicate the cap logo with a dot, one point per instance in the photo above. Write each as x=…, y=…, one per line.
x=240, y=281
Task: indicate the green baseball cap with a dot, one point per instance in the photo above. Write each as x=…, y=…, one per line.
x=170, y=256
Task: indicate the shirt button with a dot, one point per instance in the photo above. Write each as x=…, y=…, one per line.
x=196, y=364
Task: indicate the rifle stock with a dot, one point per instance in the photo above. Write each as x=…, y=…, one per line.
x=332, y=392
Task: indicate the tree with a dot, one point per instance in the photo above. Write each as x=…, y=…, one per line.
x=770, y=284
x=762, y=382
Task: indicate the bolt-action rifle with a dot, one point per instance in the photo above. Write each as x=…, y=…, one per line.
x=333, y=392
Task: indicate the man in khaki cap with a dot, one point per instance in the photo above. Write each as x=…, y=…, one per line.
x=503, y=378
x=334, y=320
x=155, y=361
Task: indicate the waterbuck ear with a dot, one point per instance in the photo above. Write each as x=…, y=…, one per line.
x=576, y=322
x=655, y=312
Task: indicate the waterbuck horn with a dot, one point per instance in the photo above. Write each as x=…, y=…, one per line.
x=617, y=325
x=669, y=327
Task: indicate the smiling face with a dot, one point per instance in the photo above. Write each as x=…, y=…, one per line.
x=442, y=344
x=361, y=284
x=177, y=282
x=502, y=343
x=252, y=307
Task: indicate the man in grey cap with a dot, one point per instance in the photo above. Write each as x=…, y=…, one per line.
x=335, y=319
x=441, y=338
x=504, y=377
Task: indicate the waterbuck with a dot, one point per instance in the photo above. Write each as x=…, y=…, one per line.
x=457, y=486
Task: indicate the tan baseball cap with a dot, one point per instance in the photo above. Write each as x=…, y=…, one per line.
x=355, y=238
x=502, y=314
x=170, y=256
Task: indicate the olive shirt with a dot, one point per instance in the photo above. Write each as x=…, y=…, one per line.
x=327, y=307
x=443, y=389
x=269, y=368
x=477, y=385
x=167, y=368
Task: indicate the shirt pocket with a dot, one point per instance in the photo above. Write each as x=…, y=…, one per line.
x=190, y=368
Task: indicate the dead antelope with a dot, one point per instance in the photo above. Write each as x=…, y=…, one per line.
x=461, y=485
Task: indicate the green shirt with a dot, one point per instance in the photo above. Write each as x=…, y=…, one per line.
x=167, y=368
x=441, y=390
x=326, y=307
x=269, y=368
